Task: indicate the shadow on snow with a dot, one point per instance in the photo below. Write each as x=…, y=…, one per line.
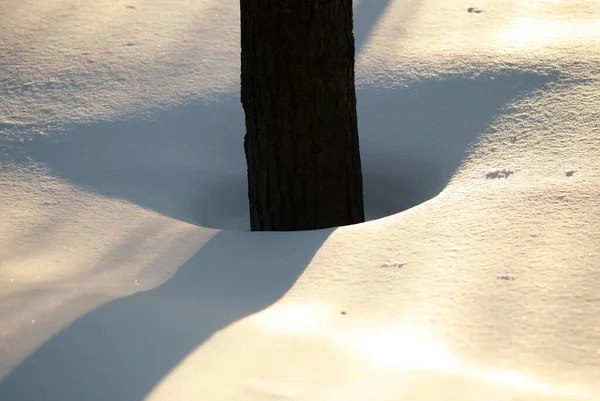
x=122, y=350
x=188, y=163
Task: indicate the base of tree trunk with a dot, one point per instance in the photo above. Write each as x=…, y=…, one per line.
x=298, y=94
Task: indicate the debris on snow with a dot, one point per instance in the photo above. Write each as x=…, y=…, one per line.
x=570, y=173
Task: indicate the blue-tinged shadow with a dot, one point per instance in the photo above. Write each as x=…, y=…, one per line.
x=121, y=350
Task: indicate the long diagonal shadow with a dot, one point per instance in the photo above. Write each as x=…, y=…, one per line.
x=122, y=349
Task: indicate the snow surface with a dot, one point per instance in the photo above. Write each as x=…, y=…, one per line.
x=127, y=273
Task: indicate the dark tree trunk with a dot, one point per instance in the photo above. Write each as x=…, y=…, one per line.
x=299, y=99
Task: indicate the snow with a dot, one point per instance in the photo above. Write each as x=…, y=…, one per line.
x=127, y=272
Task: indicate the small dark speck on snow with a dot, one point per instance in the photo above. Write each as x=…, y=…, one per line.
x=507, y=278
x=343, y=312
x=131, y=7
x=570, y=173
x=474, y=10
x=130, y=44
x=398, y=265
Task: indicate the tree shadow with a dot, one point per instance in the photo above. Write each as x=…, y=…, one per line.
x=367, y=15
x=370, y=12
x=188, y=162
x=122, y=349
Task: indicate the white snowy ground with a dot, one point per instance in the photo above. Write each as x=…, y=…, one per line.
x=121, y=157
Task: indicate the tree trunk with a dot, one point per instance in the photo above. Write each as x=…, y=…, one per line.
x=299, y=99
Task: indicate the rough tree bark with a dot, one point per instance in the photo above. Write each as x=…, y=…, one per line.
x=299, y=99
